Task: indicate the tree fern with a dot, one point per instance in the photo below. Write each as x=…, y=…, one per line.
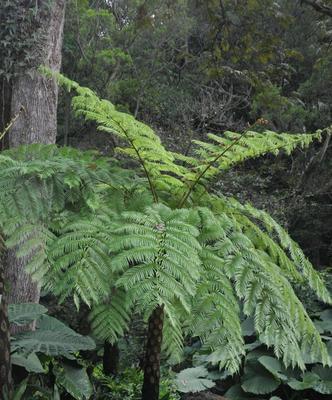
x=186, y=270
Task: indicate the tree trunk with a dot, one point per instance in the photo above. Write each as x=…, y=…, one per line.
x=37, y=98
x=6, y=386
x=150, y=390
x=111, y=359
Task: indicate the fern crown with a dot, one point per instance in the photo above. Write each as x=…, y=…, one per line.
x=125, y=243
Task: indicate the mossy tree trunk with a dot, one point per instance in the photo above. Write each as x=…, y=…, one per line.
x=150, y=390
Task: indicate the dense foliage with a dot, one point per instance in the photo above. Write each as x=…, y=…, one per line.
x=89, y=237
x=168, y=237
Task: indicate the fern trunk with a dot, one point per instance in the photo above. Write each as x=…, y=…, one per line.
x=5, y=365
x=150, y=390
x=111, y=359
x=34, y=100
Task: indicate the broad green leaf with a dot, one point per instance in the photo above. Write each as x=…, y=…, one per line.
x=75, y=381
x=258, y=380
x=19, y=392
x=309, y=379
x=237, y=393
x=56, y=394
x=274, y=366
x=22, y=314
x=325, y=322
x=193, y=380
x=53, y=338
x=324, y=385
x=30, y=362
x=248, y=327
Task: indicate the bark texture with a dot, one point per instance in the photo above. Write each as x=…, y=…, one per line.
x=150, y=390
x=35, y=94
x=35, y=99
x=6, y=386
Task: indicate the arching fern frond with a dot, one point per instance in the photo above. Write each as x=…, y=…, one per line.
x=248, y=145
x=271, y=237
x=109, y=320
x=80, y=258
x=216, y=315
x=36, y=183
x=169, y=172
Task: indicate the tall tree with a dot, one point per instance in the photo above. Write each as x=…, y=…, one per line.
x=35, y=99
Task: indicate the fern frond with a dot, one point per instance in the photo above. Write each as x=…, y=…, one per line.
x=80, y=258
x=216, y=315
x=155, y=267
x=109, y=320
x=283, y=249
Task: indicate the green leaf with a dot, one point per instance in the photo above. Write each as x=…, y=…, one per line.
x=309, y=380
x=248, y=327
x=53, y=338
x=56, y=394
x=329, y=348
x=274, y=366
x=236, y=393
x=325, y=322
x=193, y=380
x=19, y=392
x=258, y=380
x=30, y=362
x=75, y=381
x=324, y=385
x=22, y=314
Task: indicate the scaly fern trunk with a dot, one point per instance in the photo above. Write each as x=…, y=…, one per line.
x=6, y=386
x=150, y=390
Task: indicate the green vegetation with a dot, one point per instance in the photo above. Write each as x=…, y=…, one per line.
x=176, y=237
x=188, y=261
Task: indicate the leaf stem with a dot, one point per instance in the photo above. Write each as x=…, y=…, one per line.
x=209, y=165
x=152, y=188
